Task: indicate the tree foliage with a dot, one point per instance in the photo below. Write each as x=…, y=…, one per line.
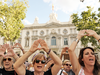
x=12, y=12
x=87, y=20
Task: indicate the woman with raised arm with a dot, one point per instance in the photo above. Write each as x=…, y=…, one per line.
x=8, y=60
x=38, y=61
x=87, y=63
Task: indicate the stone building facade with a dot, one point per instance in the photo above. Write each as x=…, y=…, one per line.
x=56, y=34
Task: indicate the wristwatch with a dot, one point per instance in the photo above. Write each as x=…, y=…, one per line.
x=77, y=40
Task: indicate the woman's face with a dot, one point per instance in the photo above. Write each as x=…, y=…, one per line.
x=88, y=57
x=39, y=64
x=7, y=63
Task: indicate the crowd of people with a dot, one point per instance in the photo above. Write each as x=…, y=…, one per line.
x=86, y=63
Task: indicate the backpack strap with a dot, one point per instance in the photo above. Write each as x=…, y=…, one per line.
x=61, y=71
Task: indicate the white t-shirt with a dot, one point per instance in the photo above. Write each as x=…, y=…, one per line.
x=81, y=72
x=60, y=72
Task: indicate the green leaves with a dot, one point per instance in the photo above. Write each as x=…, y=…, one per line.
x=87, y=20
x=12, y=12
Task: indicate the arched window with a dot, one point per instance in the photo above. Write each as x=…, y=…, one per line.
x=65, y=41
x=53, y=40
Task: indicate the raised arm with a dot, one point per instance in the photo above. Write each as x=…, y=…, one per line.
x=20, y=46
x=73, y=58
x=18, y=64
x=2, y=50
x=48, y=65
x=63, y=52
x=94, y=34
x=57, y=62
x=10, y=52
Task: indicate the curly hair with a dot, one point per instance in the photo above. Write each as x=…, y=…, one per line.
x=96, y=65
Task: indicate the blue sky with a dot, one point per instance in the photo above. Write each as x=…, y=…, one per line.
x=63, y=9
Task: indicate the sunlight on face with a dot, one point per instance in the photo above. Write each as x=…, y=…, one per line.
x=39, y=66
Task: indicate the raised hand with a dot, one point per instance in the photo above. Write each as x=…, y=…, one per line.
x=50, y=62
x=44, y=45
x=64, y=50
x=34, y=47
x=81, y=34
x=20, y=46
x=10, y=51
x=14, y=46
x=91, y=33
x=2, y=50
x=0, y=46
x=65, y=73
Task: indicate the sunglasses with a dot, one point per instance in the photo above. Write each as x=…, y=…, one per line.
x=9, y=59
x=68, y=64
x=42, y=61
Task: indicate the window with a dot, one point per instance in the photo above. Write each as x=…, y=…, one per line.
x=53, y=40
x=65, y=41
x=27, y=33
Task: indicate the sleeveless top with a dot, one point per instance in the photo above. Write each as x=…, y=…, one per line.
x=81, y=72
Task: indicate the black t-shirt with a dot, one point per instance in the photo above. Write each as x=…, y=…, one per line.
x=32, y=72
x=4, y=72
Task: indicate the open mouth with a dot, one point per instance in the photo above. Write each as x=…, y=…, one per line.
x=6, y=64
x=91, y=60
x=39, y=67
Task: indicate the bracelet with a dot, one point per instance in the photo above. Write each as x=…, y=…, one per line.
x=22, y=49
x=77, y=40
x=49, y=51
x=98, y=40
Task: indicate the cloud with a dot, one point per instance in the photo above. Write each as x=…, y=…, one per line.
x=70, y=6
x=47, y=1
x=26, y=22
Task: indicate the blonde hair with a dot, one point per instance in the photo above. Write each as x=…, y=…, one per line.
x=39, y=55
x=66, y=61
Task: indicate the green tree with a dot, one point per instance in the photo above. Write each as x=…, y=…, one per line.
x=12, y=12
x=87, y=20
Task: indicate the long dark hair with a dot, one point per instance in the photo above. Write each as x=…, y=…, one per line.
x=96, y=65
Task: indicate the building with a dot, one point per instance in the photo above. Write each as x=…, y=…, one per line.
x=56, y=34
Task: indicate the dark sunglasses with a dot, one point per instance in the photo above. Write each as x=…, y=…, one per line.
x=9, y=59
x=68, y=64
x=42, y=61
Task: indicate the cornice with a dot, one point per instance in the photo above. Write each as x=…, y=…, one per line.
x=50, y=25
x=73, y=35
